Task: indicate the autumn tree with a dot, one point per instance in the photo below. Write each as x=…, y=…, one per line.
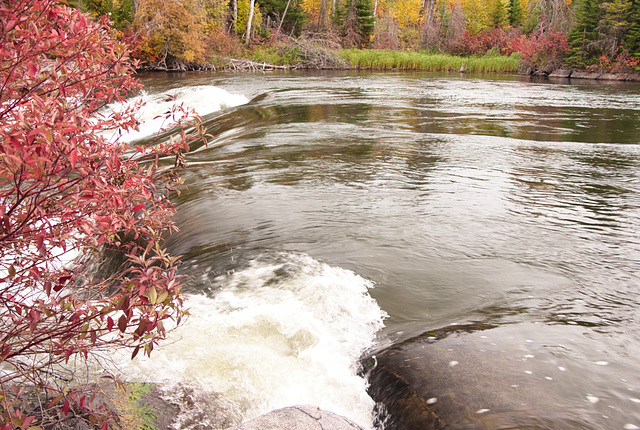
x=400, y=25
x=453, y=21
x=499, y=14
x=121, y=12
x=476, y=15
x=430, y=28
x=244, y=15
x=173, y=32
x=69, y=186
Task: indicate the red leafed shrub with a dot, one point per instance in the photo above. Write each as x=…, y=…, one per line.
x=541, y=52
x=622, y=63
x=66, y=188
x=496, y=39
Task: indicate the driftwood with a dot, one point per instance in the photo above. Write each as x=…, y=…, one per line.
x=318, y=53
x=246, y=65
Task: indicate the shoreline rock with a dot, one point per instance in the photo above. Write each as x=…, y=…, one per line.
x=299, y=417
x=568, y=73
x=156, y=407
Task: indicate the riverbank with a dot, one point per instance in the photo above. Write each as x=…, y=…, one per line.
x=306, y=56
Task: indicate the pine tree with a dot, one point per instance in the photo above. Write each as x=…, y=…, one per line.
x=614, y=25
x=515, y=13
x=499, y=15
x=366, y=20
x=289, y=22
x=632, y=39
x=584, y=35
x=358, y=25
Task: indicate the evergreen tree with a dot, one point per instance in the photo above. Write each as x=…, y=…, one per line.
x=515, y=13
x=614, y=25
x=289, y=23
x=358, y=25
x=632, y=39
x=499, y=15
x=583, y=37
x=366, y=20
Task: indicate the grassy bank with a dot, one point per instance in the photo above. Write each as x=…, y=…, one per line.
x=309, y=55
x=370, y=59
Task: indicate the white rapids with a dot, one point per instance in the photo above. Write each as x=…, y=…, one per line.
x=283, y=330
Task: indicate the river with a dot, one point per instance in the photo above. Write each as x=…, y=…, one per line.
x=339, y=213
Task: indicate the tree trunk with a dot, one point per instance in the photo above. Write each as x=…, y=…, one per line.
x=284, y=14
x=235, y=16
x=322, y=15
x=247, y=36
x=428, y=35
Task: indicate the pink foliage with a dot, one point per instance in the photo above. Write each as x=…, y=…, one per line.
x=66, y=188
x=538, y=51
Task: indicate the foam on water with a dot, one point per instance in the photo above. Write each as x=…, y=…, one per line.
x=204, y=99
x=284, y=330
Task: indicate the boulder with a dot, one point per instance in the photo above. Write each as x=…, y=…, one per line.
x=561, y=73
x=480, y=376
x=581, y=74
x=301, y=417
x=613, y=76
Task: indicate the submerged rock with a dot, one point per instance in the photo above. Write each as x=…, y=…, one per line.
x=477, y=376
x=301, y=417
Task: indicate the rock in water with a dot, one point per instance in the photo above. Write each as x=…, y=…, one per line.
x=301, y=417
x=478, y=376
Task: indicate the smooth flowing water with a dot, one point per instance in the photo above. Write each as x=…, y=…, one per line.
x=335, y=213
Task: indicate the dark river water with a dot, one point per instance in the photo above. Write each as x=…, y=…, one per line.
x=335, y=214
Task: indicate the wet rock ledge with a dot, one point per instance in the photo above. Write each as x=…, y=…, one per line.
x=156, y=407
x=301, y=417
x=583, y=74
x=481, y=377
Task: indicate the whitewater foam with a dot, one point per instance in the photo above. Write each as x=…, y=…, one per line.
x=204, y=99
x=284, y=330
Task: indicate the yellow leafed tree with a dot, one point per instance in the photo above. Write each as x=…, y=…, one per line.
x=406, y=12
x=173, y=31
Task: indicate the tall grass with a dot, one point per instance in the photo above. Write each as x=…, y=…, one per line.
x=370, y=59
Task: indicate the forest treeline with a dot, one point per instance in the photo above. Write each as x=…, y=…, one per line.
x=545, y=34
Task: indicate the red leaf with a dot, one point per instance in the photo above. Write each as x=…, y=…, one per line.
x=32, y=69
x=109, y=323
x=66, y=407
x=73, y=158
x=27, y=421
x=122, y=323
x=138, y=207
x=55, y=401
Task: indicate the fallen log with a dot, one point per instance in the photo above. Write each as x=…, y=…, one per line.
x=246, y=65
